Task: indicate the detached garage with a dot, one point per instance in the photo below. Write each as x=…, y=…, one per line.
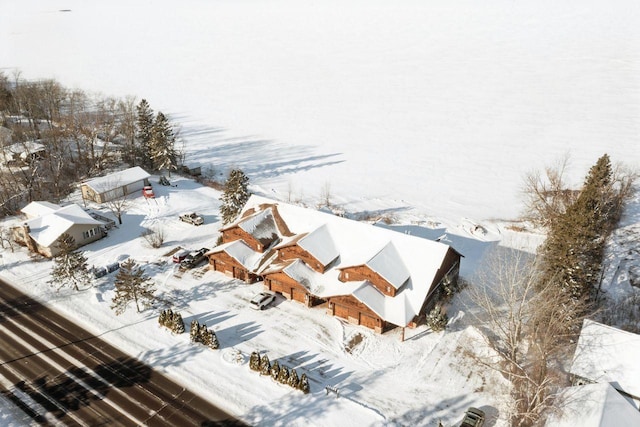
x=115, y=185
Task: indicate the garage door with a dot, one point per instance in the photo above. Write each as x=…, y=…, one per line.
x=368, y=321
x=298, y=295
x=341, y=311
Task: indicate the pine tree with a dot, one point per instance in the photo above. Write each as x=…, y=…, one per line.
x=294, y=381
x=213, y=340
x=573, y=250
x=254, y=361
x=283, y=375
x=265, y=366
x=132, y=285
x=162, y=319
x=235, y=195
x=144, y=126
x=194, y=333
x=162, y=145
x=275, y=370
x=69, y=265
x=303, y=385
x=177, y=324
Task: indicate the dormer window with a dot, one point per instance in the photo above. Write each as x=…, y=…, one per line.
x=388, y=289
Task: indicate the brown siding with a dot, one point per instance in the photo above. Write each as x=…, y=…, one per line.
x=349, y=308
x=237, y=233
x=296, y=252
x=222, y=262
x=362, y=272
x=289, y=288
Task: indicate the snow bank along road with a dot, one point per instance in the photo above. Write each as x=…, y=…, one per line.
x=61, y=374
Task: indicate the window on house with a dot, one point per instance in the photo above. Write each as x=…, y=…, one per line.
x=85, y=234
x=346, y=275
x=388, y=289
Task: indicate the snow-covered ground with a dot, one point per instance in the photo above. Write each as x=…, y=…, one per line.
x=441, y=106
x=381, y=380
x=425, y=112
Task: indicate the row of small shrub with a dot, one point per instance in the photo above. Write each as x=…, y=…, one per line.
x=171, y=320
x=282, y=374
x=200, y=333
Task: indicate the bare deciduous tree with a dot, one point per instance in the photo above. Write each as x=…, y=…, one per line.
x=529, y=326
x=547, y=195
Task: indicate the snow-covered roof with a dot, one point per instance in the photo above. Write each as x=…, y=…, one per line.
x=25, y=147
x=47, y=228
x=39, y=208
x=239, y=251
x=117, y=179
x=594, y=405
x=319, y=243
x=402, y=259
x=388, y=263
x=608, y=354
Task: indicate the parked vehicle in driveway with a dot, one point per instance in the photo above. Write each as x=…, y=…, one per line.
x=474, y=417
x=194, y=258
x=192, y=218
x=147, y=191
x=262, y=300
x=180, y=255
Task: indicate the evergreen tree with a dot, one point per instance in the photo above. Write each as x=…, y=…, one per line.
x=132, y=285
x=177, y=324
x=162, y=319
x=162, y=145
x=213, y=340
x=194, y=333
x=69, y=265
x=574, y=247
x=294, y=381
x=275, y=370
x=144, y=127
x=265, y=366
x=283, y=375
x=234, y=196
x=254, y=361
x=303, y=385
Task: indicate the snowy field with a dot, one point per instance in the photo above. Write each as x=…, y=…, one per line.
x=439, y=106
x=422, y=111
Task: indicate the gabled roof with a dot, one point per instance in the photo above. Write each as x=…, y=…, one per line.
x=242, y=253
x=319, y=244
x=46, y=229
x=400, y=258
x=594, y=405
x=117, y=179
x=262, y=226
x=25, y=147
x=41, y=208
x=608, y=354
x=387, y=262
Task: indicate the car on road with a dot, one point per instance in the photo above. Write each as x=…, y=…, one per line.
x=474, y=417
x=180, y=255
x=147, y=192
x=192, y=218
x=194, y=258
x=262, y=300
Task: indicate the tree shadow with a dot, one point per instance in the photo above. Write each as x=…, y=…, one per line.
x=234, y=335
x=174, y=355
x=209, y=319
x=80, y=386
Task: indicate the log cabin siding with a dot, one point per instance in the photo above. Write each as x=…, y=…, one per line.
x=296, y=252
x=450, y=265
x=236, y=233
x=289, y=288
x=354, y=311
x=362, y=272
x=224, y=263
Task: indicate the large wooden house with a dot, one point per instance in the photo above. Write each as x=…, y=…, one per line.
x=367, y=275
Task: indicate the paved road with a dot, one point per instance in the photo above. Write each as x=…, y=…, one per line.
x=60, y=374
